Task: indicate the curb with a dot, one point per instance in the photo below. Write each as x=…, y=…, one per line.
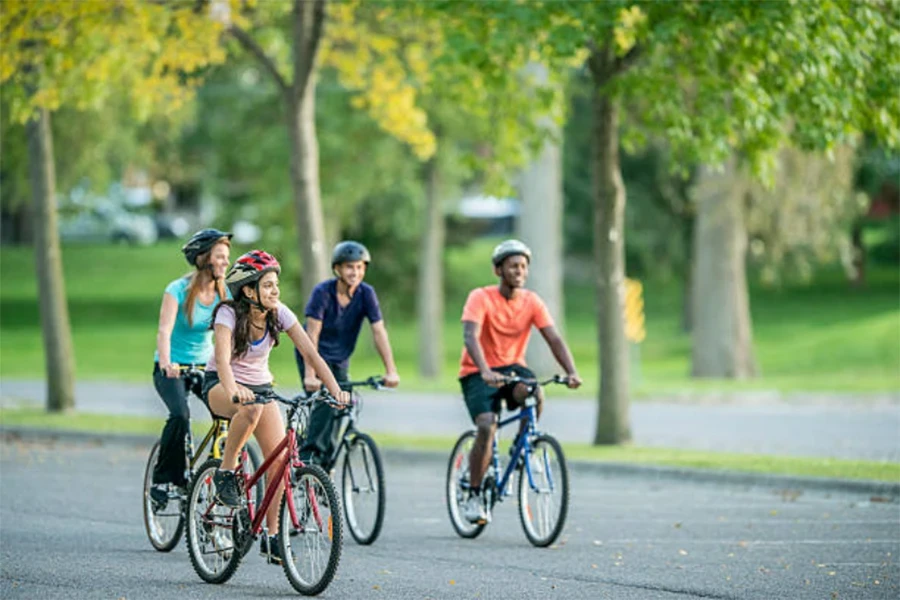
x=888, y=489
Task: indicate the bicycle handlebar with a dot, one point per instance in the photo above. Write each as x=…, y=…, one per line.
x=376, y=382
x=321, y=395
x=558, y=379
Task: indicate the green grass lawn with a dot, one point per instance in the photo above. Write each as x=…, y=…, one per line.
x=826, y=336
x=785, y=465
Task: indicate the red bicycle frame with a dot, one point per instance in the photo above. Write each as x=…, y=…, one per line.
x=291, y=458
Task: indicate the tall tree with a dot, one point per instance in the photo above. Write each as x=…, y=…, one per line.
x=395, y=55
x=711, y=78
x=80, y=54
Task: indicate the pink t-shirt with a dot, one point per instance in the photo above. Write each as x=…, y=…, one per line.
x=252, y=367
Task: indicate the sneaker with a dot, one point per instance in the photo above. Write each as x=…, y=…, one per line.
x=268, y=547
x=159, y=495
x=473, y=510
x=226, y=488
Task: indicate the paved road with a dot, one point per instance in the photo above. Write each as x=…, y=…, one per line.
x=810, y=425
x=70, y=528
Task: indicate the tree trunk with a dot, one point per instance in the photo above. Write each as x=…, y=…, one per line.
x=305, y=180
x=540, y=226
x=431, y=277
x=687, y=238
x=613, y=424
x=59, y=357
x=722, y=334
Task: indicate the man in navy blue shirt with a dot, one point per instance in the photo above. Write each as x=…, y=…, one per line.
x=334, y=317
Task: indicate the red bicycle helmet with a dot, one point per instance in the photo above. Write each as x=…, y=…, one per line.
x=248, y=269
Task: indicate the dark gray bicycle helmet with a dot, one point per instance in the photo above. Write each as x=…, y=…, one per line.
x=202, y=242
x=349, y=251
x=509, y=248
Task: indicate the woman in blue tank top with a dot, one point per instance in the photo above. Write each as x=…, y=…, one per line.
x=184, y=339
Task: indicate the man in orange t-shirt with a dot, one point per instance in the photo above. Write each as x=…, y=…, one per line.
x=497, y=323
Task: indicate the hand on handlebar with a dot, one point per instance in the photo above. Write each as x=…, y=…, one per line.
x=493, y=378
x=172, y=370
x=243, y=395
x=573, y=381
x=342, y=399
x=390, y=380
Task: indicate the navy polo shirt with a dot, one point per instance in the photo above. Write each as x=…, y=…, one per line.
x=341, y=324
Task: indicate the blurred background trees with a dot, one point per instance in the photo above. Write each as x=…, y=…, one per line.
x=756, y=144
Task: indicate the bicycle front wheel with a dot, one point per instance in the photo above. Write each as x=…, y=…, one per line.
x=362, y=489
x=458, y=486
x=163, y=524
x=312, y=550
x=210, y=529
x=544, y=492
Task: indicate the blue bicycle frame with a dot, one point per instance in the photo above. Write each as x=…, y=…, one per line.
x=521, y=451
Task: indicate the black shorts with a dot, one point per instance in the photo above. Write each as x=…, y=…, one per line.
x=211, y=378
x=481, y=398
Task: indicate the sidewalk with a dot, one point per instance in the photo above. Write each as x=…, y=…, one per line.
x=836, y=427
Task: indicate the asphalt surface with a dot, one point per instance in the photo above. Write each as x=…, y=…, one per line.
x=817, y=425
x=71, y=527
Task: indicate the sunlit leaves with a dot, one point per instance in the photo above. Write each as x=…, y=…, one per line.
x=81, y=53
x=385, y=67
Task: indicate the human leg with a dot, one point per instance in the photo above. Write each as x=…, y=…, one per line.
x=171, y=464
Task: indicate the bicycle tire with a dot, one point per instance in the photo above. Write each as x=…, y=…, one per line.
x=456, y=493
x=214, y=528
x=360, y=485
x=311, y=482
x=541, y=521
x=164, y=527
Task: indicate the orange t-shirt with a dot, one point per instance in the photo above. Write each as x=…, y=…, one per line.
x=504, y=325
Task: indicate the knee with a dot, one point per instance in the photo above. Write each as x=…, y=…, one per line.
x=485, y=425
x=520, y=392
x=252, y=412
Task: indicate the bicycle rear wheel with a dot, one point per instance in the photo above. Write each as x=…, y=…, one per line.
x=210, y=533
x=362, y=489
x=457, y=487
x=164, y=525
x=544, y=497
x=312, y=551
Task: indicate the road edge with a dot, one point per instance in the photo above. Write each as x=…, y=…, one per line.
x=884, y=490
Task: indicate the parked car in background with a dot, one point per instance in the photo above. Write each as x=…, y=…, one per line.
x=106, y=222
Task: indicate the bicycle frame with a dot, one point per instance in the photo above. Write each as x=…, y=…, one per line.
x=522, y=449
x=217, y=430
x=290, y=460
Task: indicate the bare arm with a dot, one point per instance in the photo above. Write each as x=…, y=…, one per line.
x=311, y=355
x=471, y=329
x=561, y=353
x=383, y=345
x=313, y=331
x=168, y=311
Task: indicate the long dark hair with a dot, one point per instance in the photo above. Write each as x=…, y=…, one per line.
x=241, y=334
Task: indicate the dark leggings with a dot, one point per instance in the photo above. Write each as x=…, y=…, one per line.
x=321, y=434
x=171, y=464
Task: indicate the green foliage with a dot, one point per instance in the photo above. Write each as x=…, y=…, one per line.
x=81, y=54
x=713, y=77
